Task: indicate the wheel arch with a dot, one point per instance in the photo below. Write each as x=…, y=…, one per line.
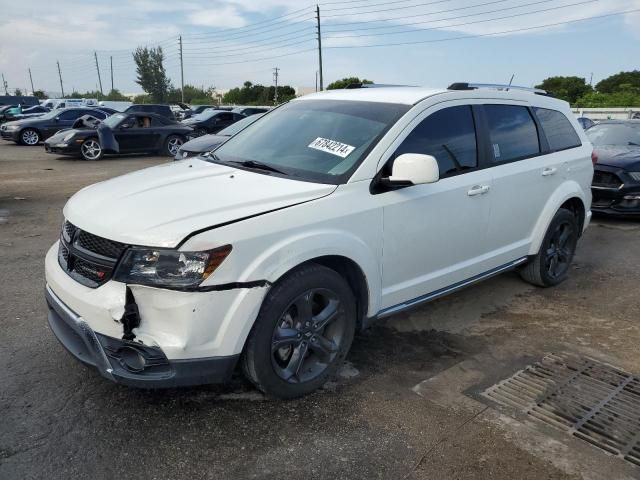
x=569, y=195
x=36, y=129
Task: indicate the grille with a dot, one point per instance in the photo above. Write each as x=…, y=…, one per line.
x=585, y=398
x=88, y=258
x=99, y=245
x=606, y=179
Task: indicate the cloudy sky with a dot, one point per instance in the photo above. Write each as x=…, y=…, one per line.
x=397, y=41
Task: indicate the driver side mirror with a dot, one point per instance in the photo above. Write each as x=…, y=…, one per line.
x=124, y=126
x=413, y=169
x=57, y=119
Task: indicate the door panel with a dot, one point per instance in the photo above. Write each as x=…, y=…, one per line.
x=107, y=139
x=435, y=235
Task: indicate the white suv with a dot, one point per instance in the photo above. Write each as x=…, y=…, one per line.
x=329, y=212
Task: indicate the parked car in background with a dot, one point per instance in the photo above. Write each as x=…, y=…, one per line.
x=119, y=106
x=107, y=110
x=336, y=209
x=19, y=112
x=24, y=100
x=206, y=143
x=586, y=122
x=247, y=111
x=158, y=109
x=31, y=131
x=211, y=121
x=121, y=133
x=194, y=110
x=616, y=179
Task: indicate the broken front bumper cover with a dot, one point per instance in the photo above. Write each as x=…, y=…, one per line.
x=131, y=363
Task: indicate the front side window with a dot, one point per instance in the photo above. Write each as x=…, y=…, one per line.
x=113, y=120
x=513, y=133
x=316, y=140
x=559, y=132
x=70, y=114
x=449, y=135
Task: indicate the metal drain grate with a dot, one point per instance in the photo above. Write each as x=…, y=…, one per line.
x=585, y=398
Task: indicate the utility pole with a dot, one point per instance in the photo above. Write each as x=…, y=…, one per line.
x=275, y=78
x=319, y=46
x=591, y=79
x=60, y=76
x=4, y=84
x=111, y=62
x=31, y=79
x=95, y=54
x=181, y=70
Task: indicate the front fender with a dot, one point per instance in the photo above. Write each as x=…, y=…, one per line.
x=569, y=189
x=283, y=256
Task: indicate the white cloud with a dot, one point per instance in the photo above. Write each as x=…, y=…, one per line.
x=227, y=17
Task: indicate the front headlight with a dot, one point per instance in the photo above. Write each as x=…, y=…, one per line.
x=157, y=267
x=68, y=137
x=635, y=176
x=12, y=127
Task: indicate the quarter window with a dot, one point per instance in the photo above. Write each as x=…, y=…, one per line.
x=559, y=132
x=513, y=133
x=449, y=135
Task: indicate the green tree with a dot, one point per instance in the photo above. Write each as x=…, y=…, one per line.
x=193, y=95
x=604, y=100
x=18, y=92
x=144, y=98
x=40, y=94
x=115, y=96
x=623, y=81
x=566, y=88
x=251, y=94
x=151, y=75
x=345, y=82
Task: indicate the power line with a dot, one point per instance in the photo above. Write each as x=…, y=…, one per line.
x=198, y=46
x=244, y=34
x=444, y=27
x=376, y=5
x=258, y=59
x=516, y=30
x=285, y=43
x=404, y=7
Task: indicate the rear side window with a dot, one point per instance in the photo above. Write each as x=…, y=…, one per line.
x=449, y=135
x=559, y=132
x=513, y=133
x=71, y=114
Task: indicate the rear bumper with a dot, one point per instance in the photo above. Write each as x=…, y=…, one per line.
x=130, y=363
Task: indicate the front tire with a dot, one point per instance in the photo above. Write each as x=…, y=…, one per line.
x=551, y=265
x=302, y=334
x=91, y=150
x=29, y=137
x=172, y=145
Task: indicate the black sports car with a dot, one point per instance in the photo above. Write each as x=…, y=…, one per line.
x=616, y=178
x=30, y=131
x=118, y=134
x=211, y=121
x=206, y=143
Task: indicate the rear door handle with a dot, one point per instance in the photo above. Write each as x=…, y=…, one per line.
x=549, y=171
x=478, y=190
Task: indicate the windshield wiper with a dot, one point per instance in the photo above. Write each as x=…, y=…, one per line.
x=258, y=166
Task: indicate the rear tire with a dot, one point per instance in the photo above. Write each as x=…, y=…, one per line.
x=302, y=334
x=29, y=137
x=172, y=145
x=91, y=150
x=552, y=263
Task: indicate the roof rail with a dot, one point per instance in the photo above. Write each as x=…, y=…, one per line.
x=495, y=86
x=372, y=85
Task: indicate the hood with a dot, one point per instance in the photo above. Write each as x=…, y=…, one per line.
x=620, y=156
x=204, y=143
x=58, y=137
x=160, y=206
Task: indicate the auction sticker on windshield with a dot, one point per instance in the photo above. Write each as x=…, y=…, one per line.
x=331, y=146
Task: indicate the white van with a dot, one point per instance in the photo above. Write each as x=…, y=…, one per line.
x=328, y=212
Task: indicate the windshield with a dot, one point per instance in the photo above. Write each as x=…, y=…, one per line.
x=317, y=140
x=206, y=115
x=239, y=125
x=114, y=119
x=615, y=134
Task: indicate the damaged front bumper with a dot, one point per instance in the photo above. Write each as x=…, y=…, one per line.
x=127, y=362
x=181, y=338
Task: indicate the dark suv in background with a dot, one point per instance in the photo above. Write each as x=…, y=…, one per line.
x=163, y=110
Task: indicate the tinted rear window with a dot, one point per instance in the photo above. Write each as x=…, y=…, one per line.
x=513, y=132
x=559, y=132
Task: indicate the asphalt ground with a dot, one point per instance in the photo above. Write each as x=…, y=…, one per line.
x=405, y=405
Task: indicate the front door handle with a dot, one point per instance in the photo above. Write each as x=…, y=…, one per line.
x=478, y=190
x=547, y=172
